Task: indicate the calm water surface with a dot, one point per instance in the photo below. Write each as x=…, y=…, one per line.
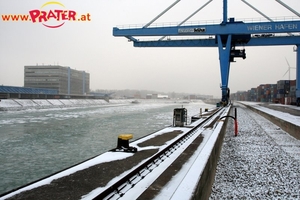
x=36, y=143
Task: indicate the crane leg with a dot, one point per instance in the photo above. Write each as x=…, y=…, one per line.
x=224, y=57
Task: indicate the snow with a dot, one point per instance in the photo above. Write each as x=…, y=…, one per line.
x=260, y=143
x=22, y=104
x=66, y=102
x=148, y=180
x=26, y=103
x=78, y=101
x=89, y=101
x=42, y=102
x=106, y=157
x=285, y=116
x=119, y=101
x=111, y=156
x=8, y=103
x=261, y=163
x=55, y=102
x=184, y=183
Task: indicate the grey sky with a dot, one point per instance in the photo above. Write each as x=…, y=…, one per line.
x=113, y=62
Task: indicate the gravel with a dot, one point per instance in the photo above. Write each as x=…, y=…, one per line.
x=262, y=162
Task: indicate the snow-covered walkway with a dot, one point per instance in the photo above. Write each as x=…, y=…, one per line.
x=262, y=162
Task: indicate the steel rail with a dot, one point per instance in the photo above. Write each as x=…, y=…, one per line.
x=145, y=168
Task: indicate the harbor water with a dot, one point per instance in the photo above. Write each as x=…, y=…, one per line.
x=38, y=142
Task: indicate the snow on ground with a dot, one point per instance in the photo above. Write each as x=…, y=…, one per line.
x=23, y=104
x=66, y=102
x=285, y=116
x=111, y=156
x=183, y=184
x=26, y=102
x=287, y=106
x=262, y=162
x=106, y=157
x=55, y=102
x=8, y=103
x=42, y=102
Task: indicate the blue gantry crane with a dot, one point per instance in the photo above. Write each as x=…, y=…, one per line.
x=229, y=36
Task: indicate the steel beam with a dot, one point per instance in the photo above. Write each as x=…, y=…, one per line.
x=289, y=8
x=263, y=34
x=267, y=41
x=224, y=56
x=224, y=12
x=190, y=16
x=258, y=11
x=234, y=28
x=163, y=12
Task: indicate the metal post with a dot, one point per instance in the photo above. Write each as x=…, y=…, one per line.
x=235, y=122
x=298, y=76
x=235, y=113
x=224, y=12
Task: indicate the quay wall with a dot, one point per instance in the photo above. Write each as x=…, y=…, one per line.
x=203, y=190
x=288, y=127
x=208, y=175
x=206, y=180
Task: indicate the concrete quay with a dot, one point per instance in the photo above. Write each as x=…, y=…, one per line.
x=277, y=114
x=263, y=162
x=86, y=179
x=244, y=160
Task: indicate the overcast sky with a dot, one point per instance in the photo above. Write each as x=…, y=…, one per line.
x=113, y=62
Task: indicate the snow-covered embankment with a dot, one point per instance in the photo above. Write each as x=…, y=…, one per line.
x=22, y=104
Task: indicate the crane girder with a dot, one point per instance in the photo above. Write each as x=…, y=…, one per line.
x=254, y=41
x=230, y=28
x=226, y=35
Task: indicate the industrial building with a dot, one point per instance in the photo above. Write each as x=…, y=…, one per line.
x=65, y=80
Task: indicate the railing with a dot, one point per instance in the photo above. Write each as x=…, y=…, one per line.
x=208, y=22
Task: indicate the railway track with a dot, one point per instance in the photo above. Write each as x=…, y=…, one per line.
x=122, y=188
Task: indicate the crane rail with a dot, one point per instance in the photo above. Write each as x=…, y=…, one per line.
x=115, y=191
